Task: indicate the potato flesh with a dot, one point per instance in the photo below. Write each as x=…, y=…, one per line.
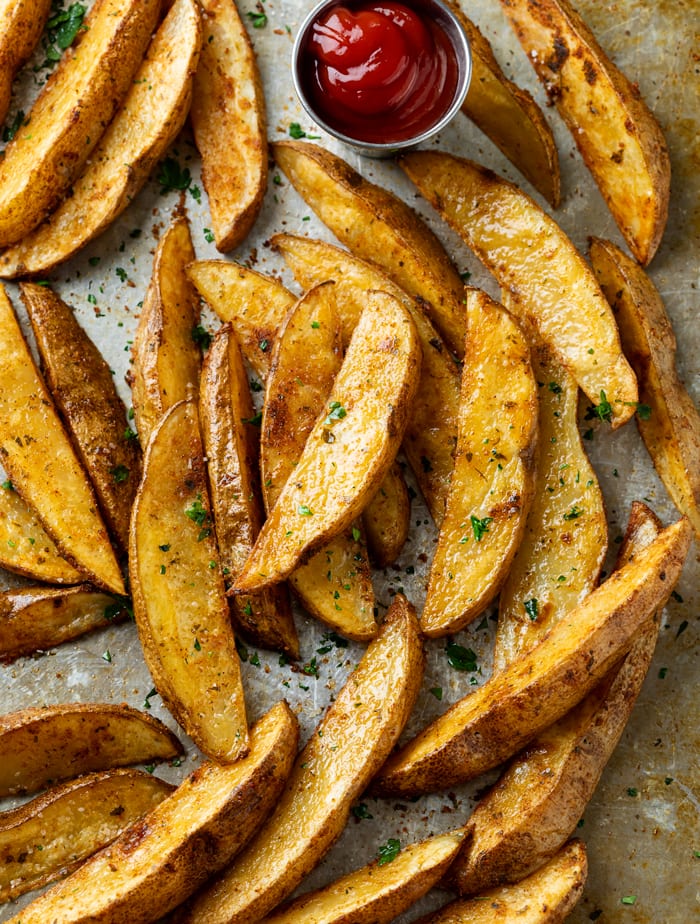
x=21, y=25
x=386, y=518
x=535, y=262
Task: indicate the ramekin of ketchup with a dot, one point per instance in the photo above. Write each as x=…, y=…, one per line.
x=381, y=75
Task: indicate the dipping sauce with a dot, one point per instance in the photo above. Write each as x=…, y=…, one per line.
x=379, y=72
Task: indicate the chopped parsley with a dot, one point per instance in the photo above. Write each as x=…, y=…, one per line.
x=9, y=131
x=361, y=811
x=172, y=176
x=437, y=693
x=602, y=411
x=258, y=19
x=201, y=337
x=389, y=851
x=461, y=658
x=574, y=513
x=336, y=412
x=480, y=526
x=305, y=511
x=297, y=132
x=208, y=235
x=532, y=608
x=120, y=473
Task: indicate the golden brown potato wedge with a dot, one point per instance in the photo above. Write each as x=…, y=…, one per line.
x=509, y=116
x=618, y=137
x=352, y=444
x=178, y=590
x=72, y=111
x=377, y=226
x=669, y=422
x=42, y=745
x=160, y=860
x=493, y=481
x=507, y=230
x=386, y=518
x=153, y=112
x=21, y=25
x=377, y=893
x=351, y=742
x=491, y=724
x=228, y=121
x=81, y=384
x=166, y=358
x=36, y=618
x=431, y=434
x=49, y=837
x=38, y=456
x=231, y=446
x=537, y=802
x=547, y=896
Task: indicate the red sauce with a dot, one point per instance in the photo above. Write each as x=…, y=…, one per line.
x=379, y=72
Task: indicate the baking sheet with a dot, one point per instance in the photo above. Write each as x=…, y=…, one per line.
x=642, y=825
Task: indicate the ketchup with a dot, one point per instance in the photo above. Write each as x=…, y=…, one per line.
x=379, y=71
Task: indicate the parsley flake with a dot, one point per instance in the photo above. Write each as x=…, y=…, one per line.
x=389, y=851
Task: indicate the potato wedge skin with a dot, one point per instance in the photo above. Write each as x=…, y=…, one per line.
x=352, y=741
x=493, y=482
x=229, y=124
x=506, y=230
x=21, y=25
x=180, y=604
x=150, y=118
x=58, y=742
x=492, y=723
x=71, y=113
x=50, y=836
x=377, y=226
x=163, y=858
x=37, y=454
x=618, y=137
x=671, y=432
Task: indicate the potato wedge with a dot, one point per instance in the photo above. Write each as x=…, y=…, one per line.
x=376, y=893
x=229, y=125
x=160, y=860
x=351, y=742
x=21, y=25
x=38, y=456
x=72, y=111
x=347, y=454
x=537, y=802
x=231, y=447
x=36, y=618
x=431, y=433
x=671, y=432
x=491, y=724
x=152, y=114
x=166, y=359
x=387, y=518
x=81, y=384
x=493, y=482
x=509, y=116
x=49, y=837
x=178, y=591
x=377, y=226
x=547, y=896
x=43, y=745
x=505, y=228
x=618, y=137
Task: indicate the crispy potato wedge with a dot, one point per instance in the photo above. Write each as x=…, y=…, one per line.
x=493, y=482
x=537, y=802
x=153, y=112
x=179, y=599
x=377, y=226
x=160, y=860
x=513, y=706
x=38, y=456
x=166, y=359
x=547, y=896
x=21, y=25
x=36, y=618
x=671, y=432
x=431, y=433
x=81, y=384
x=505, y=228
x=566, y=535
x=43, y=745
x=509, y=116
x=72, y=111
x=376, y=893
x=351, y=742
x=386, y=518
x=47, y=838
x=229, y=125
x=231, y=447
x=618, y=137
x=347, y=454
